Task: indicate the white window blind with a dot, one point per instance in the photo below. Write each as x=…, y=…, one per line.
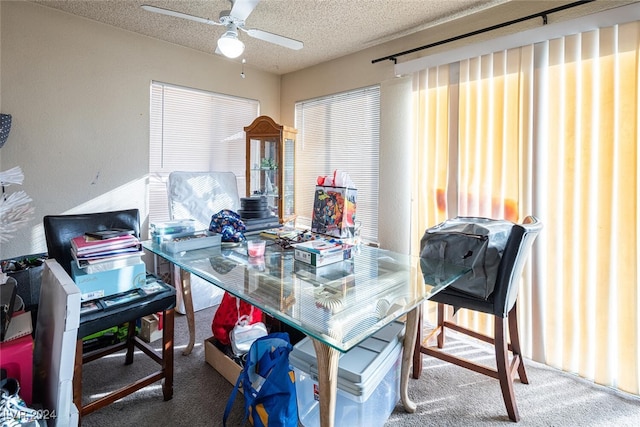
x=194, y=130
x=340, y=131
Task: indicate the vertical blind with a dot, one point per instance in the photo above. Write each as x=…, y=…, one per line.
x=194, y=130
x=549, y=129
x=589, y=169
x=340, y=131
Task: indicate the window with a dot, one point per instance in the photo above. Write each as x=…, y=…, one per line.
x=340, y=132
x=194, y=130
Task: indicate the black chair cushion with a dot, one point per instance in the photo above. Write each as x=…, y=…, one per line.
x=462, y=300
x=143, y=305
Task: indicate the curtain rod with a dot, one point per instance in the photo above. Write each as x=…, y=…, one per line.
x=542, y=15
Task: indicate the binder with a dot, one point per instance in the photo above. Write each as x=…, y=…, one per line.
x=20, y=326
x=8, y=292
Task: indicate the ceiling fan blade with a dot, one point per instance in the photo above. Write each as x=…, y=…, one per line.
x=274, y=38
x=170, y=12
x=241, y=9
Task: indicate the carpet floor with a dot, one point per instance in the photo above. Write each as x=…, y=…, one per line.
x=446, y=395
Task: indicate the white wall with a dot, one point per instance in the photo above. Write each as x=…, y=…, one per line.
x=78, y=92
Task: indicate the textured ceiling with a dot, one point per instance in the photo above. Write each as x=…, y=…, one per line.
x=329, y=29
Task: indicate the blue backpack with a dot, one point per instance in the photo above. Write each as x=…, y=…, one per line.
x=268, y=384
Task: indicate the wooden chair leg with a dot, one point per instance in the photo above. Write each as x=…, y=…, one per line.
x=77, y=380
x=514, y=337
x=504, y=370
x=505, y=365
x=441, y=311
x=167, y=353
x=438, y=332
x=131, y=333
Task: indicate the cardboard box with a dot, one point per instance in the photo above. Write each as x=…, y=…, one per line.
x=109, y=282
x=149, y=328
x=220, y=361
x=319, y=260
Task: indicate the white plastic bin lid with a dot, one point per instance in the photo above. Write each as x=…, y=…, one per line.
x=362, y=368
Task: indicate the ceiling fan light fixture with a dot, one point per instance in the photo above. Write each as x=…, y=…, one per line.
x=230, y=45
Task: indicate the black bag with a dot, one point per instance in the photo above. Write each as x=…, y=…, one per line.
x=475, y=243
x=7, y=300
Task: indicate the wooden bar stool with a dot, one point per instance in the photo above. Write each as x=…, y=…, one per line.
x=502, y=305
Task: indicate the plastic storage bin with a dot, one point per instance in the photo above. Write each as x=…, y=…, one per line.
x=368, y=380
x=17, y=360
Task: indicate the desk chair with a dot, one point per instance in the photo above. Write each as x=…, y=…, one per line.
x=59, y=229
x=502, y=305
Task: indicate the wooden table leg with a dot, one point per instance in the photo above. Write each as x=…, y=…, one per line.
x=409, y=343
x=328, y=381
x=417, y=354
x=187, y=299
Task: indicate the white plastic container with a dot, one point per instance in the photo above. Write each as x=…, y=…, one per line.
x=191, y=241
x=368, y=380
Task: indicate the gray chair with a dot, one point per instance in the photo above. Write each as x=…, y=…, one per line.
x=502, y=305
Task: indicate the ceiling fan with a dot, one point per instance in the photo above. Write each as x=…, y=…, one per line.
x=233, y=20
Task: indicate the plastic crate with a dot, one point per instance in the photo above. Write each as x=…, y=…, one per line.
x=368, y=380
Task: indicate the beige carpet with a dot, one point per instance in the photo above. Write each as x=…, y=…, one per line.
x=446, y=395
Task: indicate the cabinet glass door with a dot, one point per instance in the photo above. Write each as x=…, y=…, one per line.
x=288, y=176
x=265, y=172
x=270, y=165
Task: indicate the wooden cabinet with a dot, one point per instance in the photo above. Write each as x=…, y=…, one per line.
x=270, y=165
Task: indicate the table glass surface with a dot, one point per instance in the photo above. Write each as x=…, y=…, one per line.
x=339, y=304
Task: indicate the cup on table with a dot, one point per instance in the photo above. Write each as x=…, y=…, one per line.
x=255, y=248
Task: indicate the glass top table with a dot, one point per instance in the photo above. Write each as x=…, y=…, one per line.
x=338, y=305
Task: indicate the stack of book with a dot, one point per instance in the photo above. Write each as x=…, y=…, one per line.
x=280, y=233
x=321, y=252
x=96, y=252
x=256, y=215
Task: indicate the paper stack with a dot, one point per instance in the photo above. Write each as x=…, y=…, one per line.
x=94, y=254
